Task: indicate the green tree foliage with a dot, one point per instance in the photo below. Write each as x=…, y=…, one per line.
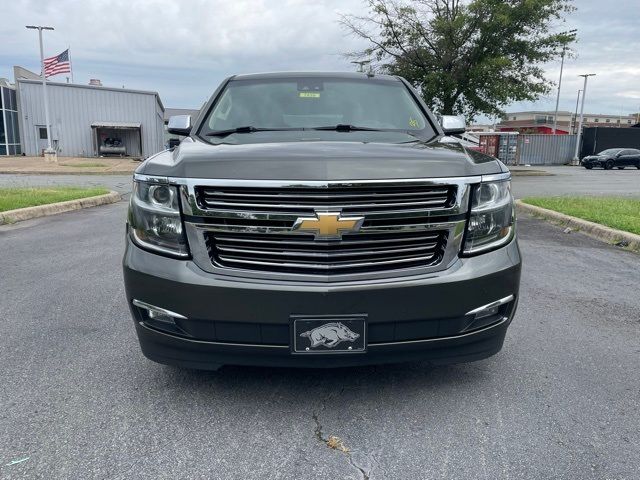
x=466, y=57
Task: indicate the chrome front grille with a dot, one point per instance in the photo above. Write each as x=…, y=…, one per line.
x=348, y=199
x=247, y=228
x=302, y=254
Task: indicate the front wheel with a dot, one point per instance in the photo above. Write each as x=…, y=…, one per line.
x=589, y=167
x=620, y=168
x=608, y=165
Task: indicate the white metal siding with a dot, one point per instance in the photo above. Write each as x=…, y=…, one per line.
x=73, y=108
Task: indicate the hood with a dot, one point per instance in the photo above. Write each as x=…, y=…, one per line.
x=319, y=160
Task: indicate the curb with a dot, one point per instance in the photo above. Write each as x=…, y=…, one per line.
x=20, y=214
x=531, y=173
x=594, y=230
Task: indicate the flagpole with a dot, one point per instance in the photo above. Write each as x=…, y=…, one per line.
x=70, y=62
x=49, y=152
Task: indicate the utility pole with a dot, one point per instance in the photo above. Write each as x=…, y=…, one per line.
x=576, y=157
x=572, y=33
x=49, y=153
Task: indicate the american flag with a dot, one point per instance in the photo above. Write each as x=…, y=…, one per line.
x=58, y=64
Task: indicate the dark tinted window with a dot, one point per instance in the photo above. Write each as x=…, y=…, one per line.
x=610, y=151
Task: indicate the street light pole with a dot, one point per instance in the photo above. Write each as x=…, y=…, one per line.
x=572, y=33
x=555, y=115
x=576, y=158
x=49, y=152
x=575, y=116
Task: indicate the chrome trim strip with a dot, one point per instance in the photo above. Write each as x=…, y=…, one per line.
x=497, y=303
x=154, y=248
x=320, y=207
x=439, y=339
x=496, y=177
x=214, y=227
x=373, y=243
x=228, y=182
x=138, y=177
x=148, y=306
x=327, y=267
x=437, y=192
x=493, y=245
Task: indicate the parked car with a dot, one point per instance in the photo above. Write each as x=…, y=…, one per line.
x=317, y=220
x=613, y=157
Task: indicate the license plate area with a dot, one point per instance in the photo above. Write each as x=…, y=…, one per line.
x=329, y=334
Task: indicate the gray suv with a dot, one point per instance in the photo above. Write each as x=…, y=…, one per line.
x=320, y=220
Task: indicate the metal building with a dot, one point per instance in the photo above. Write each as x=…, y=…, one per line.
x=89, y=120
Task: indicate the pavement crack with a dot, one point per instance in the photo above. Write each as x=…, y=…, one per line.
x=335, y=443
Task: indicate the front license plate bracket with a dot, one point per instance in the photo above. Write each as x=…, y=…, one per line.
x=330, y=334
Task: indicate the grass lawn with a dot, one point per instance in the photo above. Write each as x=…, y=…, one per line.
x=84, y=165
x=614, y=212
x=12, y=198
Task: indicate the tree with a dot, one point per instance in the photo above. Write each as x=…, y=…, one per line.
x=466, y=57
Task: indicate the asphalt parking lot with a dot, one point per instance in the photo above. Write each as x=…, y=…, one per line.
x=561, y=401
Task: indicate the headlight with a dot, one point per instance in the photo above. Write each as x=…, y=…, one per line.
x=154, y=219
x=491, y=223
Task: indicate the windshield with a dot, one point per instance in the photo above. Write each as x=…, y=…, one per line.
x=610, y=151
x=313, y=102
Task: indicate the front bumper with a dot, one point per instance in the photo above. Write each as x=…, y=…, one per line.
x=248, y=322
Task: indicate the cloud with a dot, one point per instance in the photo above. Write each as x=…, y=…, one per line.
x=183, y=49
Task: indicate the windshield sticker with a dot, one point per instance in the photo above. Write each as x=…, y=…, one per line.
x=309, y=94
x=413, y=123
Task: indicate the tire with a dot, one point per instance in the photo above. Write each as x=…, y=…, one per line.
x=608, y=165
x=620, y=168
x=589, y=167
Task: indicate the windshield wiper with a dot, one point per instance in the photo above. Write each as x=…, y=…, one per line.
x=247, y=129
x=342, y=127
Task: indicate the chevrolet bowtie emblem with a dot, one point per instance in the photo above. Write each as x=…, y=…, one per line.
x=326, y=225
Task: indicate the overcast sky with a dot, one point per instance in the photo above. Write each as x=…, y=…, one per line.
x=183, y=49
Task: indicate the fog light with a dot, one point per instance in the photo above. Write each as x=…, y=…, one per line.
x=490, y=309
x=157, y=313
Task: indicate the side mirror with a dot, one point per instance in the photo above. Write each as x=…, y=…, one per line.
x=179, y=125
x=452, y=124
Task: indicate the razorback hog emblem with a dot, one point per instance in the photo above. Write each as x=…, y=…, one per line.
x=330, y=335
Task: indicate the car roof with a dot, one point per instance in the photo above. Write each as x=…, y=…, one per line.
x=346, y=75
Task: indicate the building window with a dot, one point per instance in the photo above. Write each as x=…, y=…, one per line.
x=628, y=121
x=618, y=121
x=9, y=136
x=608, y=120
x=596, y=120
x=513, y=118
x=42, y=133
